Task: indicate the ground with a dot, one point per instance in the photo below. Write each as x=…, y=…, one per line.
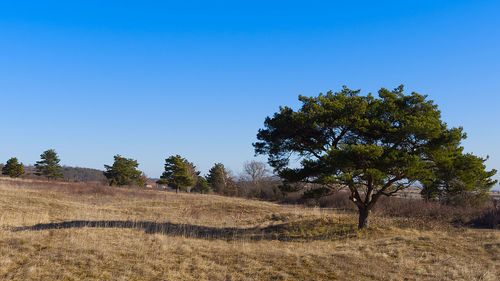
x=54, y=232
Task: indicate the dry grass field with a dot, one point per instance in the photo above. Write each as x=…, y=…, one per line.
x=52, y=231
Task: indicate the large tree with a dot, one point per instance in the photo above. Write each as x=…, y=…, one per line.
x=49, y=165
x=372, y=146
x=13, y=168
x=124, y=172
x=177, y=174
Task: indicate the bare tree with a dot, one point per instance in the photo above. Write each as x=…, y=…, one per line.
x=255, y=171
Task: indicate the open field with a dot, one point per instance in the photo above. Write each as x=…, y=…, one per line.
x=74, y=232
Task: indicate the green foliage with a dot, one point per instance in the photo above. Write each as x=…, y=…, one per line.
x=161, y=181
x=217, y=178
x=176, y=173
x=220, y=182
x=372, y=146
x=193, y=174
x=49, y=165
x=458, y=178
x=201, y=186
x=13, y=168
x=315, y=193
x=124, y=172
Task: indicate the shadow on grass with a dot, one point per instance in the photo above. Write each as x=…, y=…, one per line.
x=319, y=229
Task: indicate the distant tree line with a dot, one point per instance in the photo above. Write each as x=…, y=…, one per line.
x=48, y=167
x=83, y=174
x=179, y=173
x=182, y=175
x=255, y=181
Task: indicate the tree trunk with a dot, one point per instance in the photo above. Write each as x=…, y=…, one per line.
x=363, y=217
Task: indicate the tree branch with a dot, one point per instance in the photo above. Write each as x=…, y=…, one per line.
x=336, y=140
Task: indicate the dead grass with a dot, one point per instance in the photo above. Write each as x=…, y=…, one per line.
x=49, y=232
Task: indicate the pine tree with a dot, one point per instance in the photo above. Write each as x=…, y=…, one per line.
x=217, y=178
x=13, y=168
x=49, y=165
x=372, y=146
x=124, y=172
x=193, y=174
x=201, y=186
x=176, y=173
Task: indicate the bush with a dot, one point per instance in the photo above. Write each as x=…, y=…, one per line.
x=417, y=210
x=490, y=218
x=264, y=190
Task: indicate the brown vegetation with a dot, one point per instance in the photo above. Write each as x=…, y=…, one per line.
x=412, y=208
x=64, y=231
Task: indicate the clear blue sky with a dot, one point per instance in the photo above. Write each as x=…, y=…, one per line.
x=147, y=79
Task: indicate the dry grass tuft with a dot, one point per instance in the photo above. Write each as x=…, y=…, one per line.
x=55, y=231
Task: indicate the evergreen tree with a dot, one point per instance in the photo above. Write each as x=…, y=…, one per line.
x=217, y=178
x=193, y=174
x=457, y=178
x=372, y=146
x=49, y=165
x=13, y=168
x=124, y=172
x=176, y=173
x=201, y=186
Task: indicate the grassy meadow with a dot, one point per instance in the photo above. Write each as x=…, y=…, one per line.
x=56, y=231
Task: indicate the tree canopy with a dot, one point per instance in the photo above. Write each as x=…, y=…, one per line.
x=49, y=165
x=193, y=174
x=220, y=181
x=372, y=146
x=13, y=168
x=201, y=185
x=176, y=173
x=457, y=178
x=217, y=178
x=124, y=172
x=255, y=171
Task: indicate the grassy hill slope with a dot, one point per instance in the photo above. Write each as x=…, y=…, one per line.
x=54, y=231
